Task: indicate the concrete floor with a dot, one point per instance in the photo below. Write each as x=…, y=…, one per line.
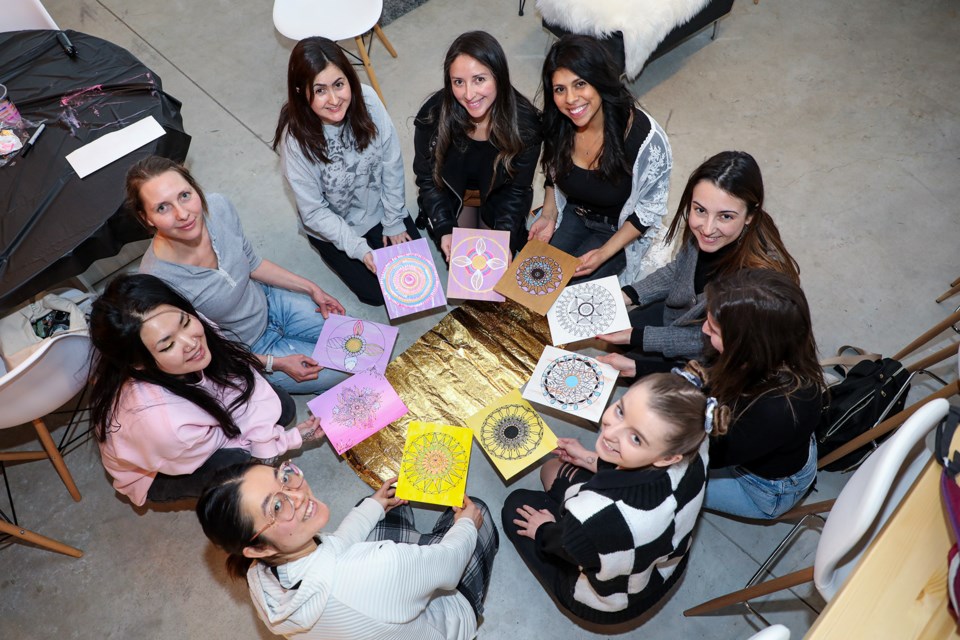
x=850, y=109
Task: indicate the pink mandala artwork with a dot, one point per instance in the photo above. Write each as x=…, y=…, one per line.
x=350, y=345
x=478, y=259
x=408, y=278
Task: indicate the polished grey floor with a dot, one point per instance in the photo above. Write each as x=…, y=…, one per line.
x=850, y=108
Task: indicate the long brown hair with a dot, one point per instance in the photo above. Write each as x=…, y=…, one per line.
x=146, y=170
x=309, y=57
x=683, y=406
x=759, y=246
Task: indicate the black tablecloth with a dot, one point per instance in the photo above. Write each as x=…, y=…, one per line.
x=53, y=225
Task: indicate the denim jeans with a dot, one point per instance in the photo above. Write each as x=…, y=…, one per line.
x=293, y=327
x=577, y=235
x=735, y=491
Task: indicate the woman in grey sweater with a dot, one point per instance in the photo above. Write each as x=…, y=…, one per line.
x=341, y=157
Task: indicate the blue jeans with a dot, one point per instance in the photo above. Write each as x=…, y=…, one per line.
x=735, y=491
x=293, y=327
x=577, y=235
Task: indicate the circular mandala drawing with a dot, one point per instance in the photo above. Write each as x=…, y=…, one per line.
x=571, y=381
x=408, y=280
x=586, y=310
x=352, y=344
x=434, y=462
x=511, y=432
x=539, y=275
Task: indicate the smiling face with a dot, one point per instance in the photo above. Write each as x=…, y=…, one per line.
x=712, y=330
x=289, y=538
x=172, y=207
x=576, y=98
x=716, y=218
x=473, y=86
x=176, y=340
x=331, y=95
x=632, y=435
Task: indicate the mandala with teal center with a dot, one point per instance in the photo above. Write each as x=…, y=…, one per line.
x=571, y=382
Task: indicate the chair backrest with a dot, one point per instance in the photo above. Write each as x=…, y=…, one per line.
x=877, y=486
x=773, y=632
x=46, y=380
x=333, y=19
x=20, y=15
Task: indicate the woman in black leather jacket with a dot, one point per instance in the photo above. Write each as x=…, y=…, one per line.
x=477, y=144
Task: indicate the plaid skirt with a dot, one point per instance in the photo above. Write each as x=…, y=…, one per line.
x=398, y=525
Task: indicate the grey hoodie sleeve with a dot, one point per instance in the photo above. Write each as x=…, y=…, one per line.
x=393, y=194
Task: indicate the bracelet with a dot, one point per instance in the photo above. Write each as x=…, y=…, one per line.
x=268, y=368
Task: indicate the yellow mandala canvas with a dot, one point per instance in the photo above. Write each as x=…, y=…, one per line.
x=512, y=433
x=435, y=462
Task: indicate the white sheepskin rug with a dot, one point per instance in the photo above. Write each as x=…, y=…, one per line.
x=644, y=23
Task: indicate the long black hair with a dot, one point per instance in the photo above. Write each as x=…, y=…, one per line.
x=586, y=58
x=121, y=356
x=220, y=511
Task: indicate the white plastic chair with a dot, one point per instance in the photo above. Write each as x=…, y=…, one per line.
x=20, y=15
x=336, y=20
x=42, y=383
x=773, y=632
x=863, y=506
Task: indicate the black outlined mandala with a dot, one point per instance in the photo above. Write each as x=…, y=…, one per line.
x=571, y=382
x=511, y=432
x=539, y=275
x=435, y=463
x=585, y=310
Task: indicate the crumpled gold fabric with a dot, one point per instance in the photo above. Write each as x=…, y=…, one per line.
x=474, y=355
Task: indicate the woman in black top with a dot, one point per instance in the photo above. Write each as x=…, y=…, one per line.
x=607, y=163
x=476, y=145
x=766, y=372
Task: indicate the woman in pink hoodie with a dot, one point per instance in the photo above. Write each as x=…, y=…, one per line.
x=173, y=400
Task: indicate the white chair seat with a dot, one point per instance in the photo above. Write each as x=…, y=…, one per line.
x=22, y=15
x=333, y=19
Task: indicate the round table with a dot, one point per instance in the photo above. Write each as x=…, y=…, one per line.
x=53, y=225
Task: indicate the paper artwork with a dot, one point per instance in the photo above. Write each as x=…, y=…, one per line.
x=348, y=344
x=356, y=409
x=478, y=259
x=512, y=433
x=538, y=274
x=588, y=309
x=572, y=383
x=408, y=278
x=435, y=462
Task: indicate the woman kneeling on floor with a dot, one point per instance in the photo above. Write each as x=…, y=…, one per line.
x=375, y=576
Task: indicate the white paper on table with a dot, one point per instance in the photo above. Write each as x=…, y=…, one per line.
x=585, y=310
x=571, y=382
x=113, y=146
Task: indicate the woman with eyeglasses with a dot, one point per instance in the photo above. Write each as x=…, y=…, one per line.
x=374, y=576
x=173, y=401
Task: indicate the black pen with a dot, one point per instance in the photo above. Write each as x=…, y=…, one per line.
x=33, y=140
x=68, y=47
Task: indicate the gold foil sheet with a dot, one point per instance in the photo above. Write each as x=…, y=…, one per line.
x=474, y=355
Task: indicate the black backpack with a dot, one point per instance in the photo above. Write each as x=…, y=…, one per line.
x=871, y=391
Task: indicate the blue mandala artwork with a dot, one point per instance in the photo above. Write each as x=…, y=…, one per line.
x=539, y=275
x=571, y=382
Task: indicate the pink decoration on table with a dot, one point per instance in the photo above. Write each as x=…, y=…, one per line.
x=408, y=278
x=478, y=259
x=356, y=409
x=348, y=344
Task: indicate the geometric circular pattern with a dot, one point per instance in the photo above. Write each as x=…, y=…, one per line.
x=511, y=432
x=408, y=280
x=356, y=342
x=586, y=310
x=539, y=275
x=435, y=462
x=572, y=381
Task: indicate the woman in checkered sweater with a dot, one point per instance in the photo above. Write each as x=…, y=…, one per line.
x=609, y=534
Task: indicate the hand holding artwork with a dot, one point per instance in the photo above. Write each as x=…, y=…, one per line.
x=310, y=430
x=617, y=337
x=590, y=262
x=369, y=263
x=397, y=239
x=571, y=451
x=386, y=495
x=469, y=510
x=542, y=229
x=621, y=363
x=326, y=303
x=530, y=520
x=298, y=366
x=446, y=242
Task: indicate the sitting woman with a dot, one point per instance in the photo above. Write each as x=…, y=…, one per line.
x=725, y=229
x=607, y=163
x=477, y=143
x=765, y=370
x=341, y=155
x=173, y=401
x=610, y=532
x=373, y=577
x=200, y=250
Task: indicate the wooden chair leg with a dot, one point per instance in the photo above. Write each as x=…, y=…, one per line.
x=369, y=67
x=955, y=282
x=886, y=426
x=806, y=510
x=764, y=588
x=926, y=337
x=384, y=40
x=934, y=358
x=39, y=540
x=54, y=454
x=954, y=289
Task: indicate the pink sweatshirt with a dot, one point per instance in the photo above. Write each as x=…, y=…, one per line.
x=162, y=432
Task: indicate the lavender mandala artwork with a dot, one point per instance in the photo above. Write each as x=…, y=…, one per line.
x=408, y=278
x=352, y=345
x=478, y=259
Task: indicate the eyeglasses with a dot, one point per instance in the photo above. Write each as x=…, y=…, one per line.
x=281, y=506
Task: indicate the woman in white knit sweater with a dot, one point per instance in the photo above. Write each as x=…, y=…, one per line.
x=374, y=577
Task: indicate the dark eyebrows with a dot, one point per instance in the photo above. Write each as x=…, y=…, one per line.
x=321, y=86
x=163, y=339
x=733, y=211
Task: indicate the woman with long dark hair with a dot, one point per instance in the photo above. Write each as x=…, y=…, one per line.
x=341, y=156
x=173, y=400
x=607, y=163
x=476, y=145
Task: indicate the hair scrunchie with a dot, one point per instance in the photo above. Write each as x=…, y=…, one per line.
x=689, y=377
x=711, y=410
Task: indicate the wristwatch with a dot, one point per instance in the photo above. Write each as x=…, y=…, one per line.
x=268, y=368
